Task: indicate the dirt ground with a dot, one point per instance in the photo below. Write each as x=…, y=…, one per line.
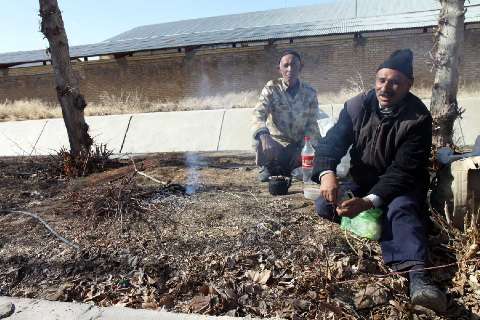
x=207, y=239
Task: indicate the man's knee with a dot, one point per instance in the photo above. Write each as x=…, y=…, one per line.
x=325, y=209
x=405, y=203
x=403, y=218
x=406, y=209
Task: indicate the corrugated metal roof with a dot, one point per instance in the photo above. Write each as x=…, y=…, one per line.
x=340, y=17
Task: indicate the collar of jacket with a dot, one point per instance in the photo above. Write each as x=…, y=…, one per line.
x=285, y=86
x=372, y=102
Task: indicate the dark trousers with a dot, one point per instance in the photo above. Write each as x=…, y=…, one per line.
x=288, y=159
x=403, y=240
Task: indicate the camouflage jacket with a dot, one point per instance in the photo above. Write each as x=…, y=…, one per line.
x=288, y=119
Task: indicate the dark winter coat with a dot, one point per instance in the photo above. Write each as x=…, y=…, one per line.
x=389, y=154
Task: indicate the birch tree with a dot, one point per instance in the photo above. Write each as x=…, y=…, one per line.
x=447, y=58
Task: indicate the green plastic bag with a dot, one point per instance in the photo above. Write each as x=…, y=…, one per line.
x=366, y=224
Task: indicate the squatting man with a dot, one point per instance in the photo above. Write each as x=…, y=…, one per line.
x=286, y=112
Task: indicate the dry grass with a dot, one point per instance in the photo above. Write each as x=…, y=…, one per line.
x=135, y=102
x=131, y=102
x=356, y=84
x=27, y=110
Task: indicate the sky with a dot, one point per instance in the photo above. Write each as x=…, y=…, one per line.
x=91, y=21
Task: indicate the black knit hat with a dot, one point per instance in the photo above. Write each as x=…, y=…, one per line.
x=400, y=60
x=292, y=52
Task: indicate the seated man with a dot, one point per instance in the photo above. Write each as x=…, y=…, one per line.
x=286, y=112
x=390, y=133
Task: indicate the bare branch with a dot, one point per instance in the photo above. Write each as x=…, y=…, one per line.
x=45, y=224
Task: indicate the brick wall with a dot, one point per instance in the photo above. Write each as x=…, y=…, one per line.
x=332, y=63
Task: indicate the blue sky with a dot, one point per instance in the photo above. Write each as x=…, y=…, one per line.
x=90, y=21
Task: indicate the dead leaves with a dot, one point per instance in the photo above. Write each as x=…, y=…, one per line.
x=228, y=250
x=200, y=304
x=371, y=296
x=260, y=277
x=213, y=301
x=60, y=293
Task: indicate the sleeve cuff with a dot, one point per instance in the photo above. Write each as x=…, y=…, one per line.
x=374, y=199
x=258, y=132
x=324, y=173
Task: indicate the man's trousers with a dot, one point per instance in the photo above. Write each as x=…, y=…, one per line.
x=288, y=159
x=403, y=240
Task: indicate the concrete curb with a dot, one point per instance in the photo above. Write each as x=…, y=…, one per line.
x=204, y=130
x=28, y=309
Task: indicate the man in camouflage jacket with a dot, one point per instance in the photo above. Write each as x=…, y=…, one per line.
x=286, y=112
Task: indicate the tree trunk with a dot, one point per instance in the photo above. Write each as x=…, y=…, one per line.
x=66, y=84
x=448, y=54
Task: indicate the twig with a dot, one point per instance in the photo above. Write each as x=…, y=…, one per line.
x=33, y=215
x=472, y=250
x=125, y=135
x=447, y=214
x=384, y=276
x=438, y=219
x=351, y=246
x=38, y=138
x=256, y=199
x=232, y=194
x=221, y=128
x=16, y=144
x=475, y=213
x=144, y=174
x=329, y=276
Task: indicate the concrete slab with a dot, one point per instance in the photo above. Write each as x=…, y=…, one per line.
x=467, y=129
x=109, y=130
x=174, y=132
x=53, y=138
x=27, y=309
x=236, y=130
x=17, y=138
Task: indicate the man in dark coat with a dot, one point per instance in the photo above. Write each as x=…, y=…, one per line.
x=389, y=131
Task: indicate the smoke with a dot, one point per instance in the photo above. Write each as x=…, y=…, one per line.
x=194, y=163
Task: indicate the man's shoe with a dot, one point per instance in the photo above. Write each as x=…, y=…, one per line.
x=264, y=174
x=424, y=293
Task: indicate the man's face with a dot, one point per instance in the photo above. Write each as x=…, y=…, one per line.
x=290, y=68
x=391, y=86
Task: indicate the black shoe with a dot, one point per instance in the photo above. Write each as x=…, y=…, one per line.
x=424, y=293
x=264, y=174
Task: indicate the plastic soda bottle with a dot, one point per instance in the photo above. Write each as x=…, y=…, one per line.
x=308, y=156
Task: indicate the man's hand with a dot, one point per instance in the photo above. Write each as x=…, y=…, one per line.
x=329, y=187
x=271, y=148
x=351, y=207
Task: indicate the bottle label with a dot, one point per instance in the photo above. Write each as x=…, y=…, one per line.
x=307, y=161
